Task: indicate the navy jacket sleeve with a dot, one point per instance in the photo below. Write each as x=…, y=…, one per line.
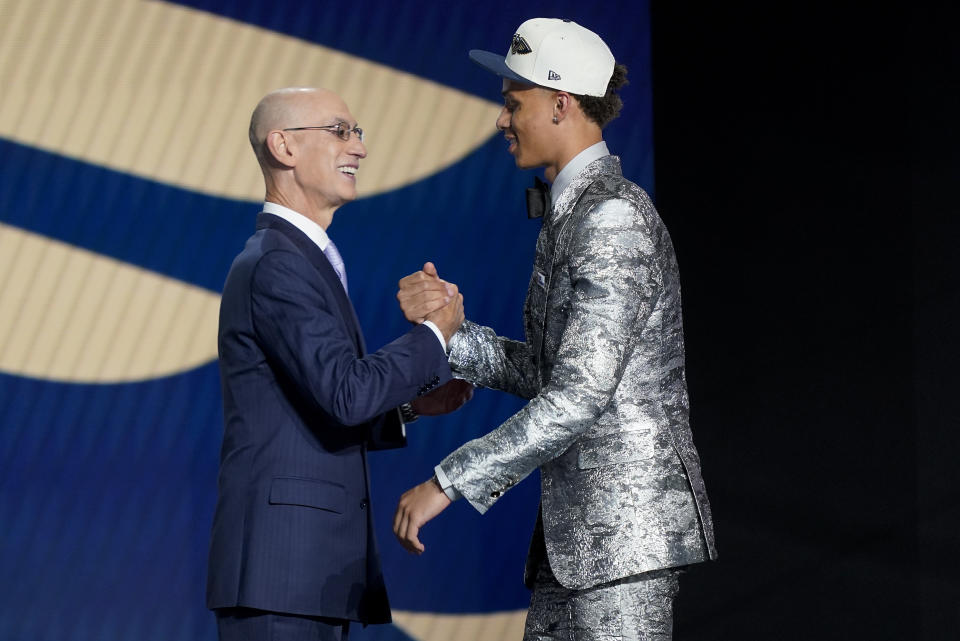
x=304, y=334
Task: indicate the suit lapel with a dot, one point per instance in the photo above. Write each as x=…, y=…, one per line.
x=536, y=302
x=317, y=258
x=550, y=242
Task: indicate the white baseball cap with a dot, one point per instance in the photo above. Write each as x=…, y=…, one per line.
x=553, y=53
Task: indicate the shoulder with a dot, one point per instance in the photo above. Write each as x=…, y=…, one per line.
x=261, y=243
x=267, y=260
x=614, y=217
x=612, y=202
x=613, y=192
x=265, y=246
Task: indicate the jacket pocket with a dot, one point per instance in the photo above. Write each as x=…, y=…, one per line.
x=315, y=493
x=617, y=448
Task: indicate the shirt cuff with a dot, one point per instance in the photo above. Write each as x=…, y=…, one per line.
x=437, y=332
x=445, y=484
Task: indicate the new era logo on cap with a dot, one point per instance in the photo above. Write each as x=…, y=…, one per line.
x=553, y=53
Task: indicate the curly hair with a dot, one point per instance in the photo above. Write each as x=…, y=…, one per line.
x=602, y=110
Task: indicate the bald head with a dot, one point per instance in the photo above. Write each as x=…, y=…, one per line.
x=290, y=107
x=308, y=165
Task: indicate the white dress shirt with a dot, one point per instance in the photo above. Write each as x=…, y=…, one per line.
x=574, y=167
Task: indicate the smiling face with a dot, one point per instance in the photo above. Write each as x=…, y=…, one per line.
x=326, y=168
x=526, y=120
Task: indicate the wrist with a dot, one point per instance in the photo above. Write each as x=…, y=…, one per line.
x=444, y=484
x=408, y=413
x=435, y=485
x=436, y=332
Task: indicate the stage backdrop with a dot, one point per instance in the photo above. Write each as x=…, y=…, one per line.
x=126, y=188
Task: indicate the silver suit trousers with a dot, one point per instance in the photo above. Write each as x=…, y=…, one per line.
x=636, y=608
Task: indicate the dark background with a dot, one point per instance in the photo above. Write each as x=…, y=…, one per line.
x=807, y=165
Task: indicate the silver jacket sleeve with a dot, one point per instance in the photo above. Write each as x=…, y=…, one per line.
x=488, y=360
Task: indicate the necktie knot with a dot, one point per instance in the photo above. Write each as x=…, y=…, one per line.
x=538, y=198
x=336, y=261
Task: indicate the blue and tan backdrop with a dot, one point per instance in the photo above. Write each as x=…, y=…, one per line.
x=126, y=188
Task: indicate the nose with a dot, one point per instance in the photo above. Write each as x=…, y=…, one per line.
x=356, y=147
x=503, y=120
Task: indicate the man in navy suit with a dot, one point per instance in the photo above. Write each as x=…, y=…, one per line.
x=292, y=552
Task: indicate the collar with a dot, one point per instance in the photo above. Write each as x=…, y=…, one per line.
x=313, y=231
x=574, y=167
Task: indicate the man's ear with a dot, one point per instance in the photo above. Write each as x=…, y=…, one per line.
x=282, y=148
x=562, y=103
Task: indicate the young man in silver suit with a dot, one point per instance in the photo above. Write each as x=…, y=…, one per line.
x=623, y=505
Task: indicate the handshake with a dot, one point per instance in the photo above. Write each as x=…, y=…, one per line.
x=424, y=296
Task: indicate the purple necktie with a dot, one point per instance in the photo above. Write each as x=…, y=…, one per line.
x=336, y=261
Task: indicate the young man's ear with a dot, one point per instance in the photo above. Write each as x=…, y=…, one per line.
x=561, y=105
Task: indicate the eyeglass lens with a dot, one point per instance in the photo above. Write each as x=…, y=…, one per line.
x=344, y=131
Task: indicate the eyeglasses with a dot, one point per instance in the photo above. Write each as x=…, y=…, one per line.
x=341, y=129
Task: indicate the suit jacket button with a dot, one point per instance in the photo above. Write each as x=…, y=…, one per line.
x=363, y=504
x=495, y=494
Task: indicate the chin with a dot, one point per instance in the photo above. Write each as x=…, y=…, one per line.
x=520, y=162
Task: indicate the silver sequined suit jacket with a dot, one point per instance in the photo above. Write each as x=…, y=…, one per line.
x=603, y=365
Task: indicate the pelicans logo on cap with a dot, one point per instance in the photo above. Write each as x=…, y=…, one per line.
x=519, y=45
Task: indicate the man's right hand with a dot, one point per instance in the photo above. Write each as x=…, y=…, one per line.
x=422, y=293
x=449, y=318
x=417, y=506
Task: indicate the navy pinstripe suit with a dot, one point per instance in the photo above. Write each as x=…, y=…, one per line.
x=303, y=403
